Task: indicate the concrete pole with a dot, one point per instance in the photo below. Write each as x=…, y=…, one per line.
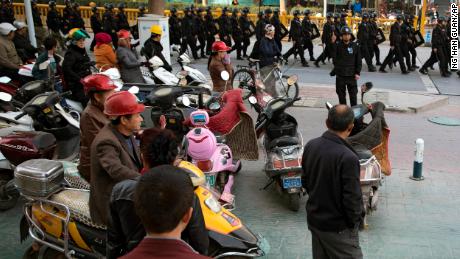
x=282, y=6
x=325, y=8
x=30, y=22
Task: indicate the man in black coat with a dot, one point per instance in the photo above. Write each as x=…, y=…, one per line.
x=7, y=12
x=411, y=41
x=364, y=34
x=210, y=29
x=121, y=19
x=279, y=28
x=295, y=33
x=347, y=66
x=406, y=39
x=245, y=25
x=237, y=34
x=54, y=24
x=189, y=37
x=260, y=26
x=200, y=24
x=174, y=28
x=307, y=31
x=331, y=177
x=96, y=25
x=395, y=47
x=329, y=29
x=109, y=24
x=373, y=38
x=439, y=43
x=225, y=27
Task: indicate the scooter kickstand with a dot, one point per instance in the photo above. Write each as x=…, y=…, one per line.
x=268, y=184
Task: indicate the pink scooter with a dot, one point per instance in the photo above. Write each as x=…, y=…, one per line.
x=213, y=158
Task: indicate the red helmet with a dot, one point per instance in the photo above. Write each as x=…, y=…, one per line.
x=220, y=46
x=123, y=34
x=122, y=103
x=96, y=83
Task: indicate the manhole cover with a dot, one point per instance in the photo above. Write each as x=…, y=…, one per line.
x=445, y=121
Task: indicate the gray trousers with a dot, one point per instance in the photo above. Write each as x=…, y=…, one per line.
x=331, y=245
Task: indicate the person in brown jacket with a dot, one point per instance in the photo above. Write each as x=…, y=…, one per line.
x=9, y=58
x=97, y=87
x=220, y=61
x=104, y=54
x=115, y=155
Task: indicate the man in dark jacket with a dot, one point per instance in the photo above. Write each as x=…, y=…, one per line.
x=125, y=229
x=280, y=30
x=245, y=25
x=395, y=47
x=174, y=28
x=40, y=32
x=347, y=66
x=406, y=39
x=295, y=33
x=268, y=52
x=331, y=174
x=7, y=12
x=307, y=32
x=200, y=24
x=260, y=26
x=411, y=41
x=54, y=23
x=96, y=25
x=67, y=15
x=153, y=47
x=328, y=31
x=188, y=34
x=77, y=21
x=121, y=19
x=364, y=33
x=373, y=38
x=109, y=24
x=211, y=30
x=225, y=27
x=237, y=34
x=439, y=44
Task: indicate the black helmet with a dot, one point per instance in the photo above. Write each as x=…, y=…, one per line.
x=50, y=3
x=399, y=17
x=121, y=6
x=276, y=11
x=296, y=12
x=345, y=30
x=245, y=10
x=373, y=15
x=108, y=6
x=336, y=16
x=329, y=15
x=306, y=12
x=94, y=9
x=173, y=10
x=268, y=11
x=365, y=16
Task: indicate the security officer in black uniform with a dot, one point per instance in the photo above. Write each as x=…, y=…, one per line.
x=237, y=34
x=40, y=32
x=67, y=15
x=373, y=38
x=225, y=27
x=406, y=40
x=109, y=24
x=439, y=43
x=328, y=31
x=201, y=32
x=279, y=27
x=347, y=66
x=77, y=21
x=245, y=25
x=260, y=26
x=307, y=31
x=337, y=23
x=96, y=25
x=296, y=34
x=174, y=28
x=121, y=19
x=188, y=33
x=413, y=52
x=211, y=30
x=53, y=22
x=395, y=47
x=7, y=12
x=364, y=31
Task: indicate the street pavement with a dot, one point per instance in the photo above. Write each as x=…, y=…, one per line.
x=413, y=220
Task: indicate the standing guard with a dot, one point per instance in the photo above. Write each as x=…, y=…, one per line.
x=260, y=26
x=328, y=31
x=211, y=30
x=96, y=25
x=121, y=19
x=109, y=24
x=237, y=34
x=175, y=25
x=245, y=25
x=188, y=34
x=225, y=27
x=201, y=25
x=280, y=29
x=373, y=42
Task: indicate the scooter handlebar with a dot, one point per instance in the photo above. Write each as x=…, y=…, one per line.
x=20, y=115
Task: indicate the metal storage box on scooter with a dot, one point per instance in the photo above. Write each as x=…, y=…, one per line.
x=39, y=177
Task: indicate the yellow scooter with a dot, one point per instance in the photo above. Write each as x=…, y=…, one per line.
x=60, y=219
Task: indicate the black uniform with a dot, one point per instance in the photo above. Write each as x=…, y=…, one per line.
x=122, y=20
x=279, y=28
x=245, y=25
x=188, y=34
x=211, y=31
x=109, y=25
x=405, y=37
x=411, y=44
x=373, y=41
x=201, y=32
x=260, y=27
x=154, y=48
x=53, y=20
x=76, y=21
x=296, y=34
x=7, y=13
x=364, y=31
x=439, y=45
x=225, y=28
x=96, y=26
x=395, y=43
x=174, y=29
x=68, y=14
x=237, y=35
x=307, y=31
x=328, y=31
x=347, y=64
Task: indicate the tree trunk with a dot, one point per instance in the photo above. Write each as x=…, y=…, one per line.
x=156, y=7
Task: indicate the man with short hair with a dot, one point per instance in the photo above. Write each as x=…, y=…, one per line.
x=152, y=46
x=164, y=202
x=331, y=174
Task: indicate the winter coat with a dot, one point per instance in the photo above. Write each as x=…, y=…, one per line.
x=129, y=66
x=105, y=57
x=91, y=122
x=268, y=50
x=76, y=66
x=112, y=161
x=215, y=68
x=43, y=74
x=23, y=47
x=154, y=48
x=347, y=58
x=9, y=58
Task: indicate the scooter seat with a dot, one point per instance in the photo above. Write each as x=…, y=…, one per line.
x=363, y=152
x=77, y=201
x=284, y=141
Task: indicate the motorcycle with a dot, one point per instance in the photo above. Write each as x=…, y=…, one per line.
x=58, y=217
x=283, y=145
x=56, y=136
x=370, y=141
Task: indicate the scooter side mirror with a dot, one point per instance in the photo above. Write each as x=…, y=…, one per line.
x=6, y=97
x=224, y=75
x=5, y=80
x=134, y=90
x=252, y=100
x=366, y=87
x=329, y=106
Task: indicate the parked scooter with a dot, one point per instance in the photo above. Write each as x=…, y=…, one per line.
x=58, y=217
x=370, y=141
x=283, y=145
x=57, y=136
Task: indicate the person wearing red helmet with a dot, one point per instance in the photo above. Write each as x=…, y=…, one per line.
x=220, y=61
x=97, y=87
x=115, y=155
x=128, y=61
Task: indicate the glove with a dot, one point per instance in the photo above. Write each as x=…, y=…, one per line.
x=226, y=59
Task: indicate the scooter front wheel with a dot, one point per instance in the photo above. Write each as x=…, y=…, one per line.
x=294, y=201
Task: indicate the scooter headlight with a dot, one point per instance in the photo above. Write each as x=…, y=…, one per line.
x=213, y=204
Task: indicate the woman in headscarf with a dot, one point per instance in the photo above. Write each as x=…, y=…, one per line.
x=104, y=52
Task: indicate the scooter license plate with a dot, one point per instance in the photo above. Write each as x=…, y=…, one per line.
x=292, y=182
x=211, y=180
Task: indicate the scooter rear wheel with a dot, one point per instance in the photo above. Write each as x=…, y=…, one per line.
x=294, y=201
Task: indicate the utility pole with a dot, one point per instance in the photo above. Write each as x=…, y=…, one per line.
x=156, y=7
